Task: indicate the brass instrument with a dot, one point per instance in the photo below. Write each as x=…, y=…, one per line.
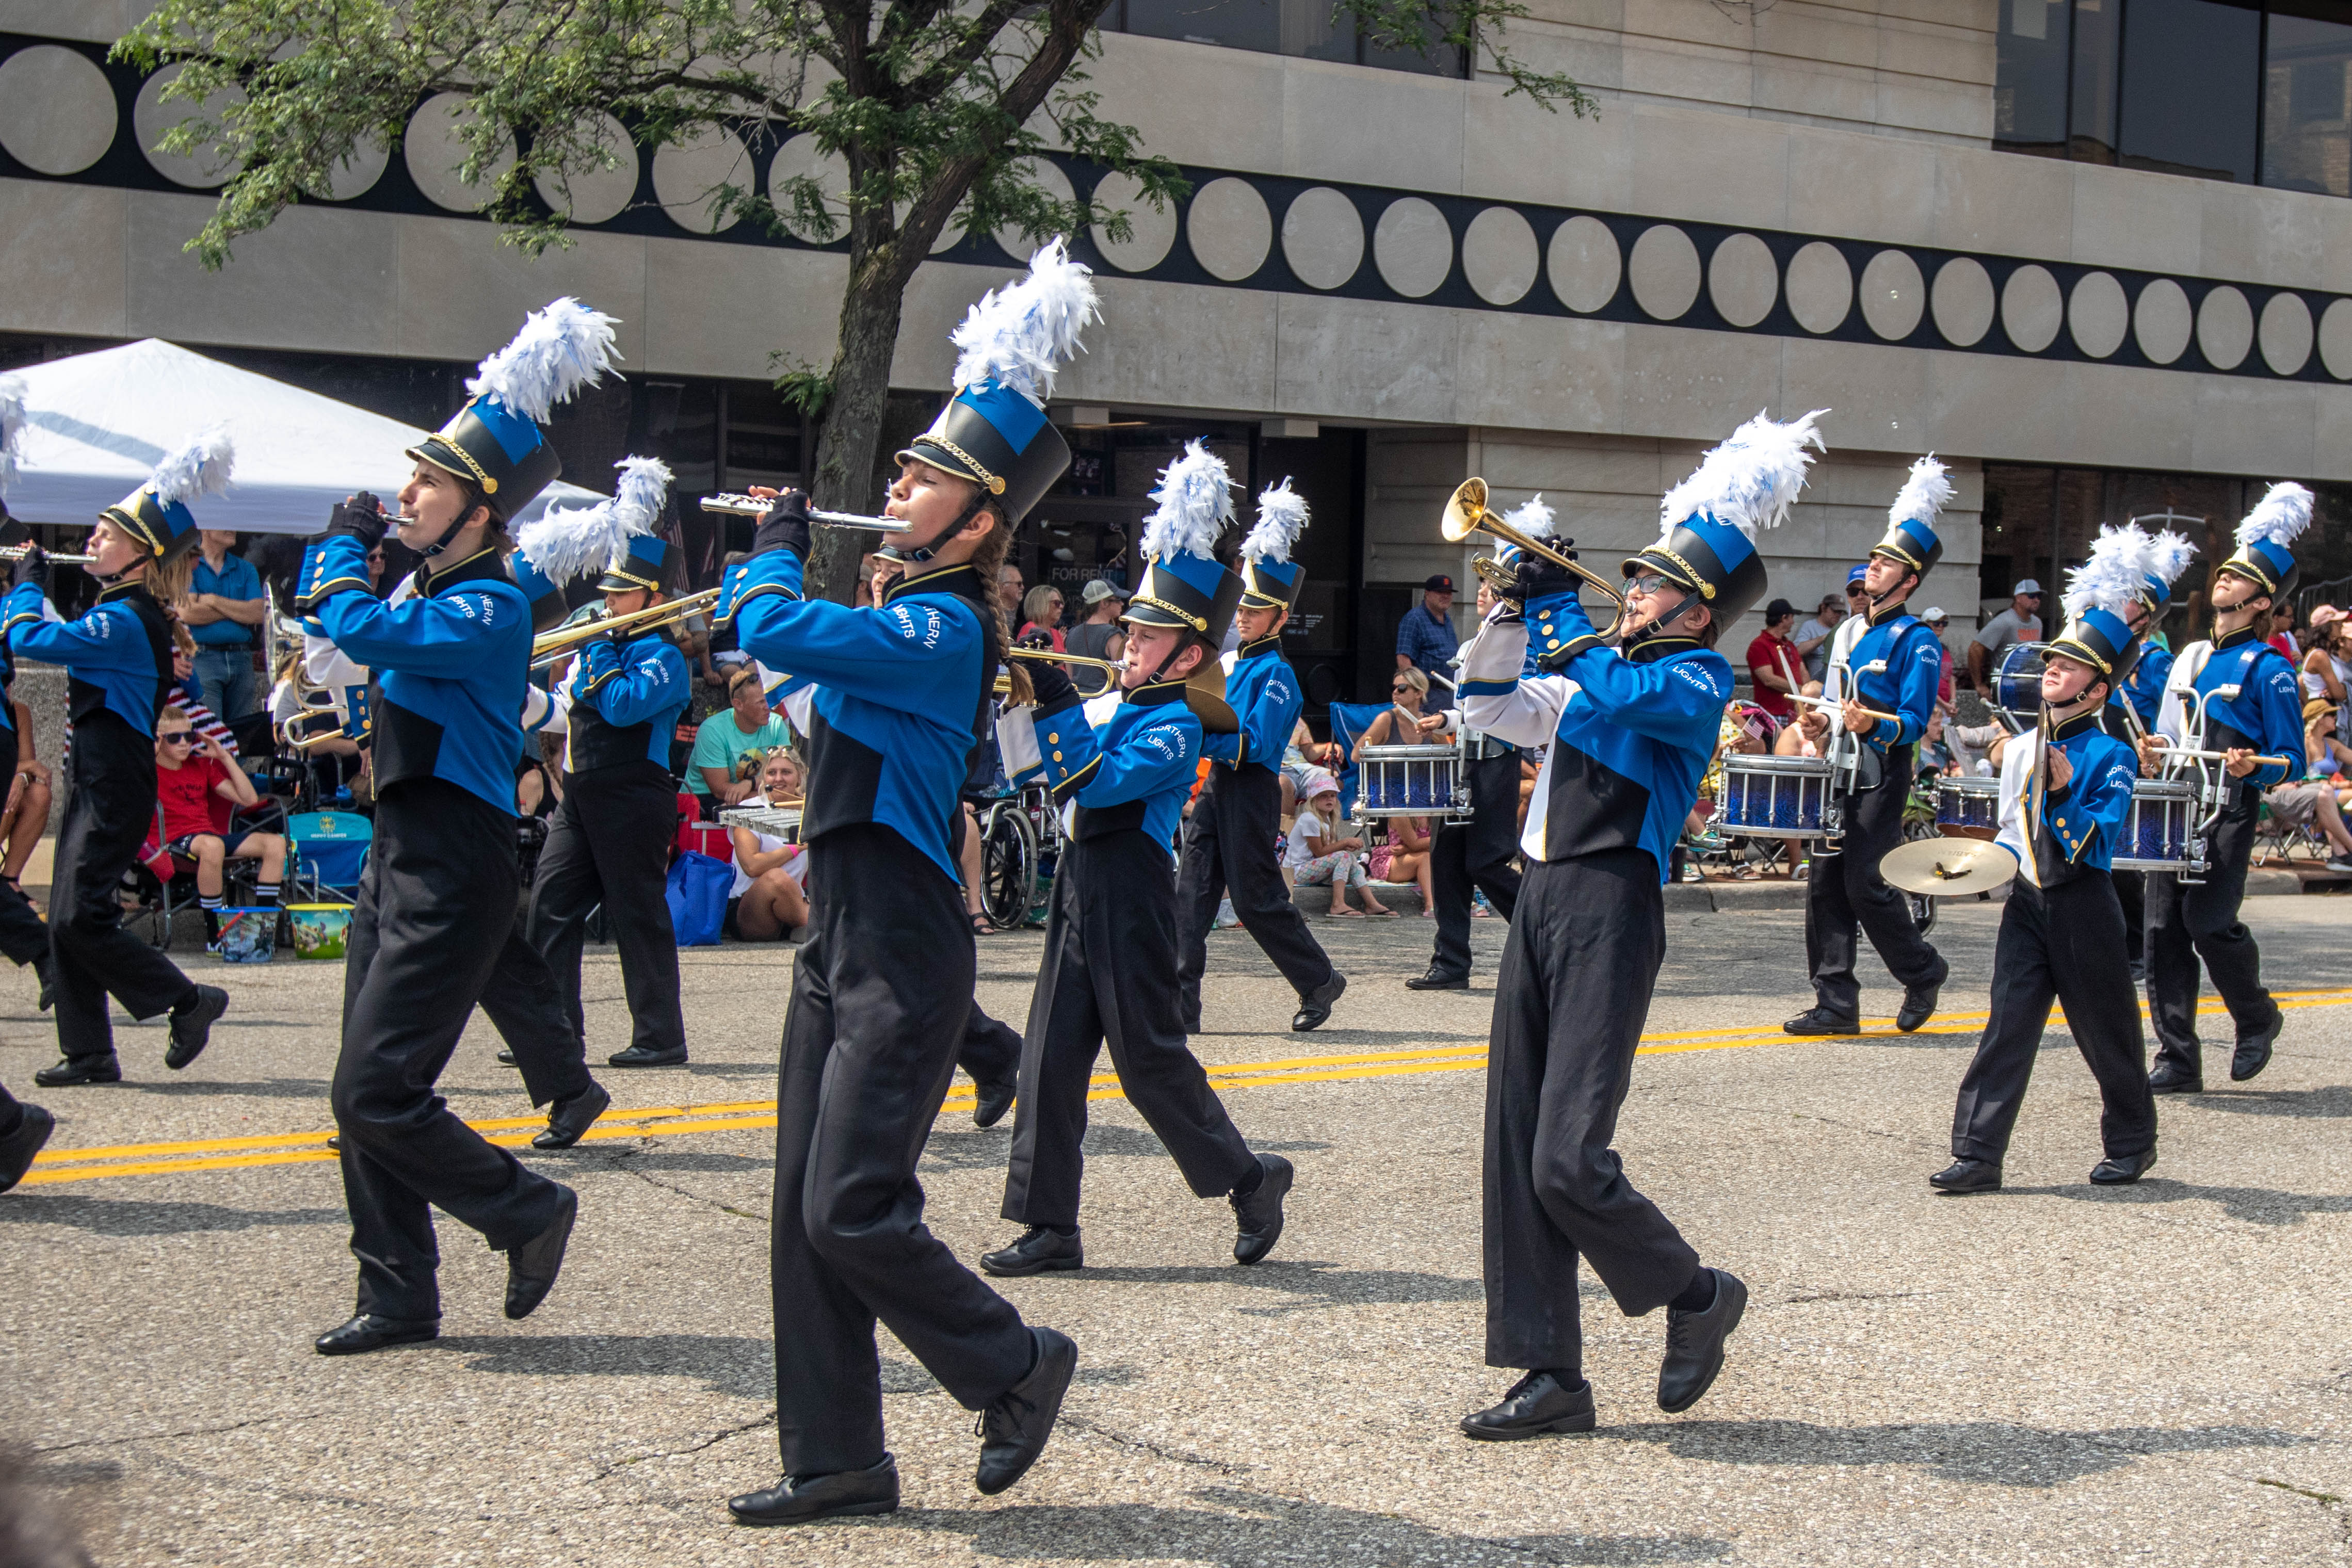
x=550, y=646
x=1047, y=656
x=1466, y=513
x=755, y=505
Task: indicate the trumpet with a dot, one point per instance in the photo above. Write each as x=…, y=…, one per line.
x=1112, y=667
x=550, y=646
x=1466, y=513
x=754, y=505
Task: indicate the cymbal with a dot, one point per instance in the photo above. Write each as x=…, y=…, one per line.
x=1944, y=868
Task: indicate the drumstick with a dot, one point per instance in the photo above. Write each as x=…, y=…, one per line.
x=1827, y=703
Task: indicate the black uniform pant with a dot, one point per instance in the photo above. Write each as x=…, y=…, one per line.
x=2131, y=893
x=1230, y=843
x=881, y=998
x=2200, y=921
x=1109, y=977
x=1846, y=891
x=433, y=931
x=2063, y=943
x=1569, y=1001
x=107, y=816
x=24, y=936
x=1475, y=855
x=609, y=844
x=990, y=1050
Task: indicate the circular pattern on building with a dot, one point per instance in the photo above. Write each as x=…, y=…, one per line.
x=153, y=116
x=1665, y=271
x=1820, y=288
x=57, y=109
x=355, y=174
x=596, y=193
x=803, y=158
x=1893, y=294
x=1962, y=301
x=2098, y=314
x=2031, y=308
x=2285, y=333
x=1229, y=228
x=1043, y=172
x=1413, y=247
x=1499, y=256
x=2225, y=327
x=1583, y=264
x=1743, y=280
x=688, y=176
x=1322, y=237
x=2336, y=339
x=435, y=150
x=1151, y=231
x=2162, y=321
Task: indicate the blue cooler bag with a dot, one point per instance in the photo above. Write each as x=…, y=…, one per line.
x=698, y=891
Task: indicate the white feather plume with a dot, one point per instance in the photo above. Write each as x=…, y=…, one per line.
x=566, y=545
x=2283, y=512
x=12, y=426
x=1196, y=502
x=201, y=465
x=559, y=349
x=643, y=490
x=1751, y=480
x=2168, y=555
x=1281, y=516
x=1019, y=335
x=2115, y=575
x=1926, y=492
x=1533, y=517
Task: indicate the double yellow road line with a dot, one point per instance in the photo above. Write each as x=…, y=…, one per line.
x=57, y=1165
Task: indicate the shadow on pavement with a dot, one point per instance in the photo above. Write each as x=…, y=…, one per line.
x=735, y=1364
x=1987, y=1452
x=2256, y=1204
x=2333, y=1099
x=134, y=1216
x=1312, y=1285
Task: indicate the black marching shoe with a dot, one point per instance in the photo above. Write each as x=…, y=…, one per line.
x=640, y=1056
x=805, y=1500
x=1920, y=1002
x=366, y=1333
x=993, y=1100
x=1820, y=1021
x=1040, y=1249
x=1964, y=1177
x=73, y=1070
x=47, y=972
x=193, y=1030
x=1316, y=1006
x=2124, y=1170
x=532, y=1265
x=18, y=1149
x=567, y=1119
x=1438, y=979
x=2171, y=1079
x=1257, y=1219
x=1014, y=1430
x=1694, y=1344
x=1537, y=1404
x=2253, y=1052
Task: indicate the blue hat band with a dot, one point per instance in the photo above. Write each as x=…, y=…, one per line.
x=517, y=437
x=1731, y=546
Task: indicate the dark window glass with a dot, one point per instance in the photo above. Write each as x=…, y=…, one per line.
x=2190, y=79
x=2306, y=105
x=1305, y=28
x=2092, y=130
x=2029, y=112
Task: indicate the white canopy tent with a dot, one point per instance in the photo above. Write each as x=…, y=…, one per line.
x=97, y=423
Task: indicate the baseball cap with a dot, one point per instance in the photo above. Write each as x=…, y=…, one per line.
x=1439, y=583
x=1097, y=591
x=1934, y=613
x=1857, y=574
x=1778, y=608
x=2027, y=585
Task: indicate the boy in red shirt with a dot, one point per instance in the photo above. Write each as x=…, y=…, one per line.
x=1772, y=658
x=190, y=772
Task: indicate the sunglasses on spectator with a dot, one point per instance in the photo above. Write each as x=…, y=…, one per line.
x=177, y=738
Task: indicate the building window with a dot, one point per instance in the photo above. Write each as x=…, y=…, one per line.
x=1305, y=28
x=2306, y=132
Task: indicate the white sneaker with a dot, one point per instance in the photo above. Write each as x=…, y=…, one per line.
x=1227, y=918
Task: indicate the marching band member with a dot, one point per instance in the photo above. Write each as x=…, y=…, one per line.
x=1120, y=768
x=1230, y=842
x=1892, y=664
x=1630, y=730
x=610, y=841
x=882, y=990
x=2131, y=712
x=2063, y=804
x=2239, y=696
x=434, y=931
x=24, y=936
x=118, y=662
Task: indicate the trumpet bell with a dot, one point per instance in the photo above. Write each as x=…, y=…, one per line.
x=1465, y=511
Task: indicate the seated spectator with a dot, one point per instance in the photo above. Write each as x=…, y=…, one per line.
x=1402, y=858
x=1404, y=724
x=26, y=814
x=1321, y=855
x=192, y=772
x=722, y=740
x=1041, y=611
x=1935, y=752
x=2316, y=800
x=768, y=900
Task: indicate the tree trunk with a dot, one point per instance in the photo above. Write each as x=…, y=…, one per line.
x=845, y=457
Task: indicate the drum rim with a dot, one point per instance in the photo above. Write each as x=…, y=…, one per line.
x=1416, y=753
x=1790, y=766
x=2163, y=790
x=1967, y=784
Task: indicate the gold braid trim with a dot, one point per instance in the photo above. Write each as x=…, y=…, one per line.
x=995, y=485
x=489, y=485
x=1198, y=623
x=1697, y=578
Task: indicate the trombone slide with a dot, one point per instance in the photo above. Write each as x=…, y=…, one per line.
x=550, y=646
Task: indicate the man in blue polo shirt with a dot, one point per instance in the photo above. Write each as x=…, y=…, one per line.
x=223, y=609
x=1426, y=641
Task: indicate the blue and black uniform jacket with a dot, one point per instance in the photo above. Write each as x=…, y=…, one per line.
x=2143, y=689
x=2266, y=714
x=118, y=657
x=1124, y=760
x=626, y=702
x=1898, y=665
x=1263, y=690
x=2082, y=821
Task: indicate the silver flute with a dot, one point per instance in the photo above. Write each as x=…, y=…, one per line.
x=757, y=505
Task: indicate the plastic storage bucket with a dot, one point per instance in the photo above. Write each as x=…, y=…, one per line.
x=247, y=936
x=320, y=930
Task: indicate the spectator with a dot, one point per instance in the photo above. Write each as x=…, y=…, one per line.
x=2018, y=624
x=1770, y=659
x=2327, y=673
x=2281, y=636
x=2318, y=800
x=26, y=814
x=375, y=568
x=190, y=773
x=190, y=696
x=1812, y=638
x=1009, y=586
x=222, y=607
x=1938, y=622
x=1041, y=611
x=1425, y=639
x=1098, y=636
x=768, y=900
x=1320, y=855
x=1403, y=723
x=1935, y=752
x=723, y=739
x=1402, y=858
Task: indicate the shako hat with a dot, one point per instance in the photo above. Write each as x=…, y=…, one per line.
x=2264, y=558
x=1185, y=585
x=2099, y=595
x=1270, y=579
x=2168, y=555
x=156, y=513
x=1708, y=544
x=1911, y=537
x=564, y=545
x=495, y=442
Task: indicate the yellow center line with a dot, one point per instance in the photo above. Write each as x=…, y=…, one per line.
x=58, y=1166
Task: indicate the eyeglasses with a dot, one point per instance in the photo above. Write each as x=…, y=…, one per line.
x=1648, y=582
x=178, y=738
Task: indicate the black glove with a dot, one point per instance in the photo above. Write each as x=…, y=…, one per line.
x=784, y=525
x=1540, y=579
x=12, y=532
x=1053, y=685
x=361, y=519
x=32, y=567
x=1036, y=639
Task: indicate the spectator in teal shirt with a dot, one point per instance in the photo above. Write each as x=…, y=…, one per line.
x=223, y=609
x=721, y=740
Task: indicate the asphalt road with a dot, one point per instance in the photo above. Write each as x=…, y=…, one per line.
x=2055, y=1374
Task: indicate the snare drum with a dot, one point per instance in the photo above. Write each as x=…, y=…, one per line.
x=1411, y=781
x=2017, y=681
x=2157, y=830
x=1967, y=808
x=1774, y=797
x=776, y=821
